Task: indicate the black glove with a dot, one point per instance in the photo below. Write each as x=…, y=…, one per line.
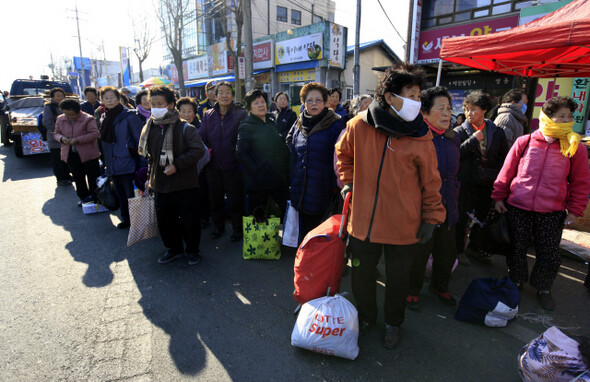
x=425, y=232
x=345, y=190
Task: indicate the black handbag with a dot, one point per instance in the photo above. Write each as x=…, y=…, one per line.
x=494, y=236
x=106, y=195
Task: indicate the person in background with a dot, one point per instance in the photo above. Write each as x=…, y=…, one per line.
x=130, y=102
x=173, y=149
x=91, y=103
x=460, y=119
x=187, y=108
x=143, y=110
x=50, y=113
x=483, y=149
x=78, y=135
x=219, y=131
x=125, y=101
x=388, y=161
x=211, y=99
x=436, y=111
x=511, y=115
x=311, y=142
x=543, y=185
x=284, y=116
x=335, y=95
x=119, y=130
x=263, y=155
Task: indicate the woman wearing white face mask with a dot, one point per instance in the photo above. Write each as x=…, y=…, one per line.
x=386, y=158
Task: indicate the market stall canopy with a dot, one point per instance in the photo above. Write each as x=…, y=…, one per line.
x=555, y=45
x=155, y=81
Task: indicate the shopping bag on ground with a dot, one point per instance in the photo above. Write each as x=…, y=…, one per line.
x=490, y=301
x=261, y=236
x=551, y=357
x=142, y=214
x=291, y=227
x=106, y=193
x=328, y=325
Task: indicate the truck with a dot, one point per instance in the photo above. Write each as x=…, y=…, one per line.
x=20, y=114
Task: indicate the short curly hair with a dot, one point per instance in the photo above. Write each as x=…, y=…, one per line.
x=397, y=78
x=313, y=86
x=253, y=95
x=113, y=89
x=56, y=90
x=553, y=105
x=427, y=96
x=139, y=95
x=187, y=101
x=480, y=99
x=164, y=91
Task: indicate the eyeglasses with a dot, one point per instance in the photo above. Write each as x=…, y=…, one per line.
x=312, y=101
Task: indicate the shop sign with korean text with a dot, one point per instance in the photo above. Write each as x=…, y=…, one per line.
x=304, y=75
x=430, y=40
x=548, y=88
x=580, y=89
x=197, y=68
x=263, y=55
x=217, y=55
x=337, y=47
x=305, y=48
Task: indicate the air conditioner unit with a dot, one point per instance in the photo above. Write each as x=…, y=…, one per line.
x=266, y=88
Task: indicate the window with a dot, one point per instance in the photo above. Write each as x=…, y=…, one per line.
x=295, y=17
x=282, y=14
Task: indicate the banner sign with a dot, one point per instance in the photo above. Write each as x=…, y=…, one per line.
x=415, y=41
x=217, y=55
x=580, y=89
x=304, y=75
x=337, y=48
x=197, y=68
x=263, y=55
x=430, y=40
x=124, y=65
x=305, y=48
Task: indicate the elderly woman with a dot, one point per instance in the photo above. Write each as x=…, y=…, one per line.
x=543, y=185
x=388, y=161
x=50, y=113
x=188, y=110
x=143, y=110
x=311, y=141
x=78, y=135
x=173, y=149
x=119, y=131
x=483, y=149
x=284, y=116
x=436, y=111
x=263, y=154
x=334, y=97
x=219, y=130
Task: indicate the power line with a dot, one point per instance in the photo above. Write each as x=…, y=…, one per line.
x=394, y=28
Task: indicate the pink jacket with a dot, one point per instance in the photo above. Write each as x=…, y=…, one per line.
x=543, y=180
x=84, y=128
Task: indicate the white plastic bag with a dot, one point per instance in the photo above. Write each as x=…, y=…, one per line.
x=328, y=325
x=291, y=227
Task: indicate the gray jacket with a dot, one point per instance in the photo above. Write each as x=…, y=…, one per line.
x=49, y=118
x=512, y=121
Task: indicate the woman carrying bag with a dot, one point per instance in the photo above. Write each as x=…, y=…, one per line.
x=543, y=185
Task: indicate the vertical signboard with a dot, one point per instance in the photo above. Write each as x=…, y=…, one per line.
x=415, y=39
x=124, y=65
x=337, y=47
x=580, y=88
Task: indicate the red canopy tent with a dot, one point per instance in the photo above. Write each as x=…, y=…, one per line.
x=555, y=45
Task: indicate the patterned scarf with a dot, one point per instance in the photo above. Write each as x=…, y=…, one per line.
x=170, y=119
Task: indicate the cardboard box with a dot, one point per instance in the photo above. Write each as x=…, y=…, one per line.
x=92, y=208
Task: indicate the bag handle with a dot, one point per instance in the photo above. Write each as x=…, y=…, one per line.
x=345, y=210
x=260, y=215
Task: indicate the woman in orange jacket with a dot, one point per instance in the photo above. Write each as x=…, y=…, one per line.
x=388, y=155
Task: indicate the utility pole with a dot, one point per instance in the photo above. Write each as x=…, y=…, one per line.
x=268, y=17
x=249, y=53
x=357, y=69
x=83, y=80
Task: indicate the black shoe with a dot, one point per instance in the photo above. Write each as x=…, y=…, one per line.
x=235, y=237
x=364, y=326
x=193, y=258
x=546, y=299
x=391, y=337
x=216, y=234
x=124, y=225
x=169, y=256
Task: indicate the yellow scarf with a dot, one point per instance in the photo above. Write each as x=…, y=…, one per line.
x=568, y=140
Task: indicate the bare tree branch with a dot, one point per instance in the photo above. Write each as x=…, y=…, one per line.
x=142, y=40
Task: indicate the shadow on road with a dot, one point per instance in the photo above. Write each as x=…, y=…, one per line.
x=95, y=240
x=27, y=167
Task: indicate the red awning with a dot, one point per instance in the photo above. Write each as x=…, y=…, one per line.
x=555, y=45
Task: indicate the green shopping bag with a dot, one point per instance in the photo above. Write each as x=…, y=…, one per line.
x=261, y=236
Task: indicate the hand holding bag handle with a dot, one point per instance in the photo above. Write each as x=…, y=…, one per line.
x=345, y=211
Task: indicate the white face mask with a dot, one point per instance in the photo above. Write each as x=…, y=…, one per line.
x=159, y=112
x=410, y=109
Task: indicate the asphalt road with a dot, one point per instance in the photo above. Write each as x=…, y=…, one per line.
x=77, y=304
